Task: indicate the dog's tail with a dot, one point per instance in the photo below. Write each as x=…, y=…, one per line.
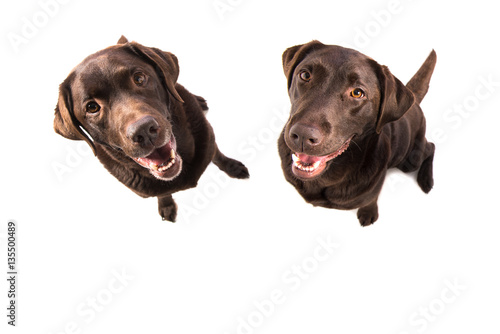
x=203, y=103
x=419, y=84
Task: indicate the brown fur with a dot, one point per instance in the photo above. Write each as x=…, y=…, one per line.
x=137, y=117
x=386, y=126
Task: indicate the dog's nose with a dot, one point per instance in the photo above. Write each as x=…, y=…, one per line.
x=305, y=136
x=144, y=131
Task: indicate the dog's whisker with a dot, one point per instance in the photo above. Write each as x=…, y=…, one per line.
x=354, y=142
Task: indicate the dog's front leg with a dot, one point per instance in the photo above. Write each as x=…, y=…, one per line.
x=231, y=167
x=167, y=208
x=368, y=214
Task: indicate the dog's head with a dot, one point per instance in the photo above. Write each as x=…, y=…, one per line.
x=121, y=97
x=338, y=96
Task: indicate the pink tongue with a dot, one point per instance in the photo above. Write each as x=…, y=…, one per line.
x=159, y=156
x=309, y=159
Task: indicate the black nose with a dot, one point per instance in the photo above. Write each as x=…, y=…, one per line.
x=305, y=137
x=144, y=131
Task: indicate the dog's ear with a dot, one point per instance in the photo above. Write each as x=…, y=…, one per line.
x=165, y=64
x=395, y=98
x=122, y=40
x=294, y=55
x=65, y=122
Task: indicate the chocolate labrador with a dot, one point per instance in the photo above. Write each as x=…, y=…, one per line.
x=350, y=121
x=146, y=129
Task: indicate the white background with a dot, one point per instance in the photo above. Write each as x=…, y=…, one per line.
x=236, y=242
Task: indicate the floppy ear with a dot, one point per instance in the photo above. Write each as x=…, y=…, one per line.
x=294, y=55
x=65, y=122
x=165, y=64
x=395, y=98
x=122, y=40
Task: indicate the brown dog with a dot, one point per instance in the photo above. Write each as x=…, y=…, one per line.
x=350, y=121
x=146, y=129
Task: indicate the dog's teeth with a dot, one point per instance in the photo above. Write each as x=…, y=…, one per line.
x=167, y=166
x=155, y=167
x=300, y=165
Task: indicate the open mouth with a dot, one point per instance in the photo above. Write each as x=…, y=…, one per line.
x=309, y=166
x=164, y=162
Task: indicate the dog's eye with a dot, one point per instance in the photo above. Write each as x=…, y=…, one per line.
x=139, y=78
x=305, y=76
x=92, y=107
x=357, y=93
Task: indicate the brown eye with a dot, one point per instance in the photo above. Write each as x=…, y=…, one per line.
x=357, y=93
x=305, y=76
x=139, y=78
x=92, y=107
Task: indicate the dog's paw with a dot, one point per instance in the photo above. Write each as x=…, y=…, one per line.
x=426, y=184
x=367, y=215
x=167, y=209
x=236, y=169
x=424, y=178
x=168, y=213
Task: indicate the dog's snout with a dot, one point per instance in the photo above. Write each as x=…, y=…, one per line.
x=144, y=131
x=305, y=137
